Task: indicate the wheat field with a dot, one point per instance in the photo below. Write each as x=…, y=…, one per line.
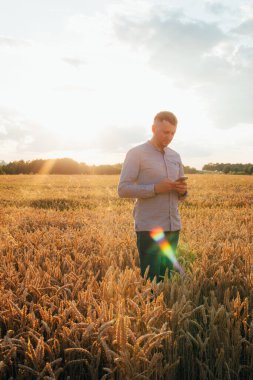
x=74, y=306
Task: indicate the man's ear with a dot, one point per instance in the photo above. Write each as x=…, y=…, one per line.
x=153, y=128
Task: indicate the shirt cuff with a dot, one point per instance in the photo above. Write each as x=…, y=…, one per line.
x=147, y=191
x=183, y=195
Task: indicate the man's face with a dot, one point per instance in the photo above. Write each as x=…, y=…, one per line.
x=163, y=132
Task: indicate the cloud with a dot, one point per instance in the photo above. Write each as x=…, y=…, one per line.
x=23, y=134
x=245, y=28
x=195, y=150
x=215, y=7
x=13, y=42
x=76, y=62
x=73, y=88
x=198, y=55
x=177, y=46
x=118, y=139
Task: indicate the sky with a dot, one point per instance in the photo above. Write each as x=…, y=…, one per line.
x=84, y=79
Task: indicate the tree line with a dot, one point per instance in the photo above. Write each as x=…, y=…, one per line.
x=229, y=168
x=63, y=166
x=70, y=166
x=57, y=166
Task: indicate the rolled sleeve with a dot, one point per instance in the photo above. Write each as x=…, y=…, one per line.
x=128, y=188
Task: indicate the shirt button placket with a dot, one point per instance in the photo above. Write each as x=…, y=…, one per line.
x=169, y=195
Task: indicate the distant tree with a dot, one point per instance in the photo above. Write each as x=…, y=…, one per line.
x=65, y=166
x=227, y=168
x=107, y=169
x=35, y=166
x=190, y=170
x=84, y=168
x=209, y=167
x=16, y=167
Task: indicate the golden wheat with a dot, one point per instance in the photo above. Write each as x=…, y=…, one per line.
x=74, y=306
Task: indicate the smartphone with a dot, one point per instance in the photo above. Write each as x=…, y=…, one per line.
x=182, y=179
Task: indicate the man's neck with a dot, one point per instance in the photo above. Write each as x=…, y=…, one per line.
x=154, y=143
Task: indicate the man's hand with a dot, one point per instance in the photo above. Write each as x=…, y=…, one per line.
x=181, y=187
x=166, y=185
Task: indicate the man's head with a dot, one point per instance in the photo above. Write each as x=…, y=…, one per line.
x=163, y=128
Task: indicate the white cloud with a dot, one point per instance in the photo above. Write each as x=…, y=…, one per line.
x=76, y=62
x=11, y=42
x=23, y=133
x=198, y=54
x=215, y=7
x=118, y=139
x=245, y=28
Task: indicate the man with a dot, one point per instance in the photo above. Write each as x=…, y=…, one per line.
x=150, y=173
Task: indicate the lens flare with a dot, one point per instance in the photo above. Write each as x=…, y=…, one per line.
x=159, y=237
x=47, y=166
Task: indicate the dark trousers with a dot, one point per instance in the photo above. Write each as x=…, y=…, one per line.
x=151, y=254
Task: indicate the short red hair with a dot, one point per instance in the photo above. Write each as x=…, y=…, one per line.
x=166, y=115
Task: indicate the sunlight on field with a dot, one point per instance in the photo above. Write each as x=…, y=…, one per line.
x=74, y=306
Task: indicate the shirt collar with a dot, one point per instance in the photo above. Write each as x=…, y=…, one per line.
x=155, y=148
